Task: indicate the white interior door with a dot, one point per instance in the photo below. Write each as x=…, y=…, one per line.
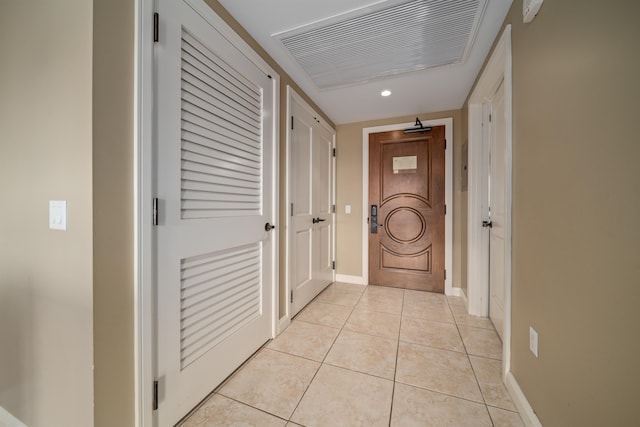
x=497, y=210
x=214, y=182
x=312, y=196
x=323, y=202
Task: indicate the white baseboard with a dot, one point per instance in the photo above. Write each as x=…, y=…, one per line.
x=283, y=324
x=455, y=292
x=356, y=280
x=8, y=420
x=527, y=414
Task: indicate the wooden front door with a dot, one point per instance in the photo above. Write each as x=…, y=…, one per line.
x=407, y=210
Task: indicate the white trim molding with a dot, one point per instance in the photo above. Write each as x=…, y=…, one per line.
x=143, y=229
x=8, y=420
x=448, y=227
x=497, y=70
x=345, y=278
x=283, y=324
x=528, y=415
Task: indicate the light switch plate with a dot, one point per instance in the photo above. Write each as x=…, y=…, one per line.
x=347, y=209
x=58, y=214
x=533, y=341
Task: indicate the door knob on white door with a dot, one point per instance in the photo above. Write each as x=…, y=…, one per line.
x=487, y=224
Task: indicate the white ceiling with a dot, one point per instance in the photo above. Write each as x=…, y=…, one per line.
x=434, y=89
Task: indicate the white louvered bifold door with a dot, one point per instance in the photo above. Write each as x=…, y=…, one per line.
x=214, y=182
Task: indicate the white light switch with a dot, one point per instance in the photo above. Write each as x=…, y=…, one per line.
x=58, y=214
x=347, y=209
x=533, y=341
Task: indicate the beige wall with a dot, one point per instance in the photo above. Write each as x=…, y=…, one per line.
x=45, y=154
x=349, y=189
x=113, y=213
x=576, y=211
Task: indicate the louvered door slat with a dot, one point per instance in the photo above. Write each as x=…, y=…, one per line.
x=205, y=116
x=218, y=135
x=226, y=162
x=194, y=177
x=220, y=293
x=203, y=145
x=215, y=65
x=221, y=146
x=244, y=115
x=205, y=318
x=201, y=315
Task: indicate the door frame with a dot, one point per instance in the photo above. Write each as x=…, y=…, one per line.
x=448, y=196
x=498, y=69
x=291, y=96
x=144, y=191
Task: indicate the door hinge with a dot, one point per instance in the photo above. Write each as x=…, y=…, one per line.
x=445, y=209
x=291, y=209
x=291, y=122
x=445, y=144
x=156, y=30
x=489, y=116
x=333, y=208
x=291, y=297
x=445, y=275
x=333, y=265
x=155, y=395
x=334, y=152
x=155, y=211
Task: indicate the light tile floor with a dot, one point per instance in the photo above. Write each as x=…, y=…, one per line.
x=370, y=356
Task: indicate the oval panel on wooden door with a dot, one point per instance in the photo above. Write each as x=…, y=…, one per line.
x=407, y=211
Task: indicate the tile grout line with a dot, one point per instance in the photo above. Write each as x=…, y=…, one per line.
x=324, y=358
x=251, y=406
x=452, y=351
x=340, y=330
x=475, y=376
x=216, y=391
x=395, y=371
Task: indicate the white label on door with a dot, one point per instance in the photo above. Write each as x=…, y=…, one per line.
x=406, y=164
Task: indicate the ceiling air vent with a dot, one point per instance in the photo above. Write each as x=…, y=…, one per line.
x=385, y=39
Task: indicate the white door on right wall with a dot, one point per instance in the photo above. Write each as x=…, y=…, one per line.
x=497, y=210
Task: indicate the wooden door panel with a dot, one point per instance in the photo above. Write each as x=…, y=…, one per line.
x=420, y=262
x=407, y=186
x=397, y=181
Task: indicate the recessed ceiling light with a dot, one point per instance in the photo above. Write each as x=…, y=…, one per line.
x=385, y=93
